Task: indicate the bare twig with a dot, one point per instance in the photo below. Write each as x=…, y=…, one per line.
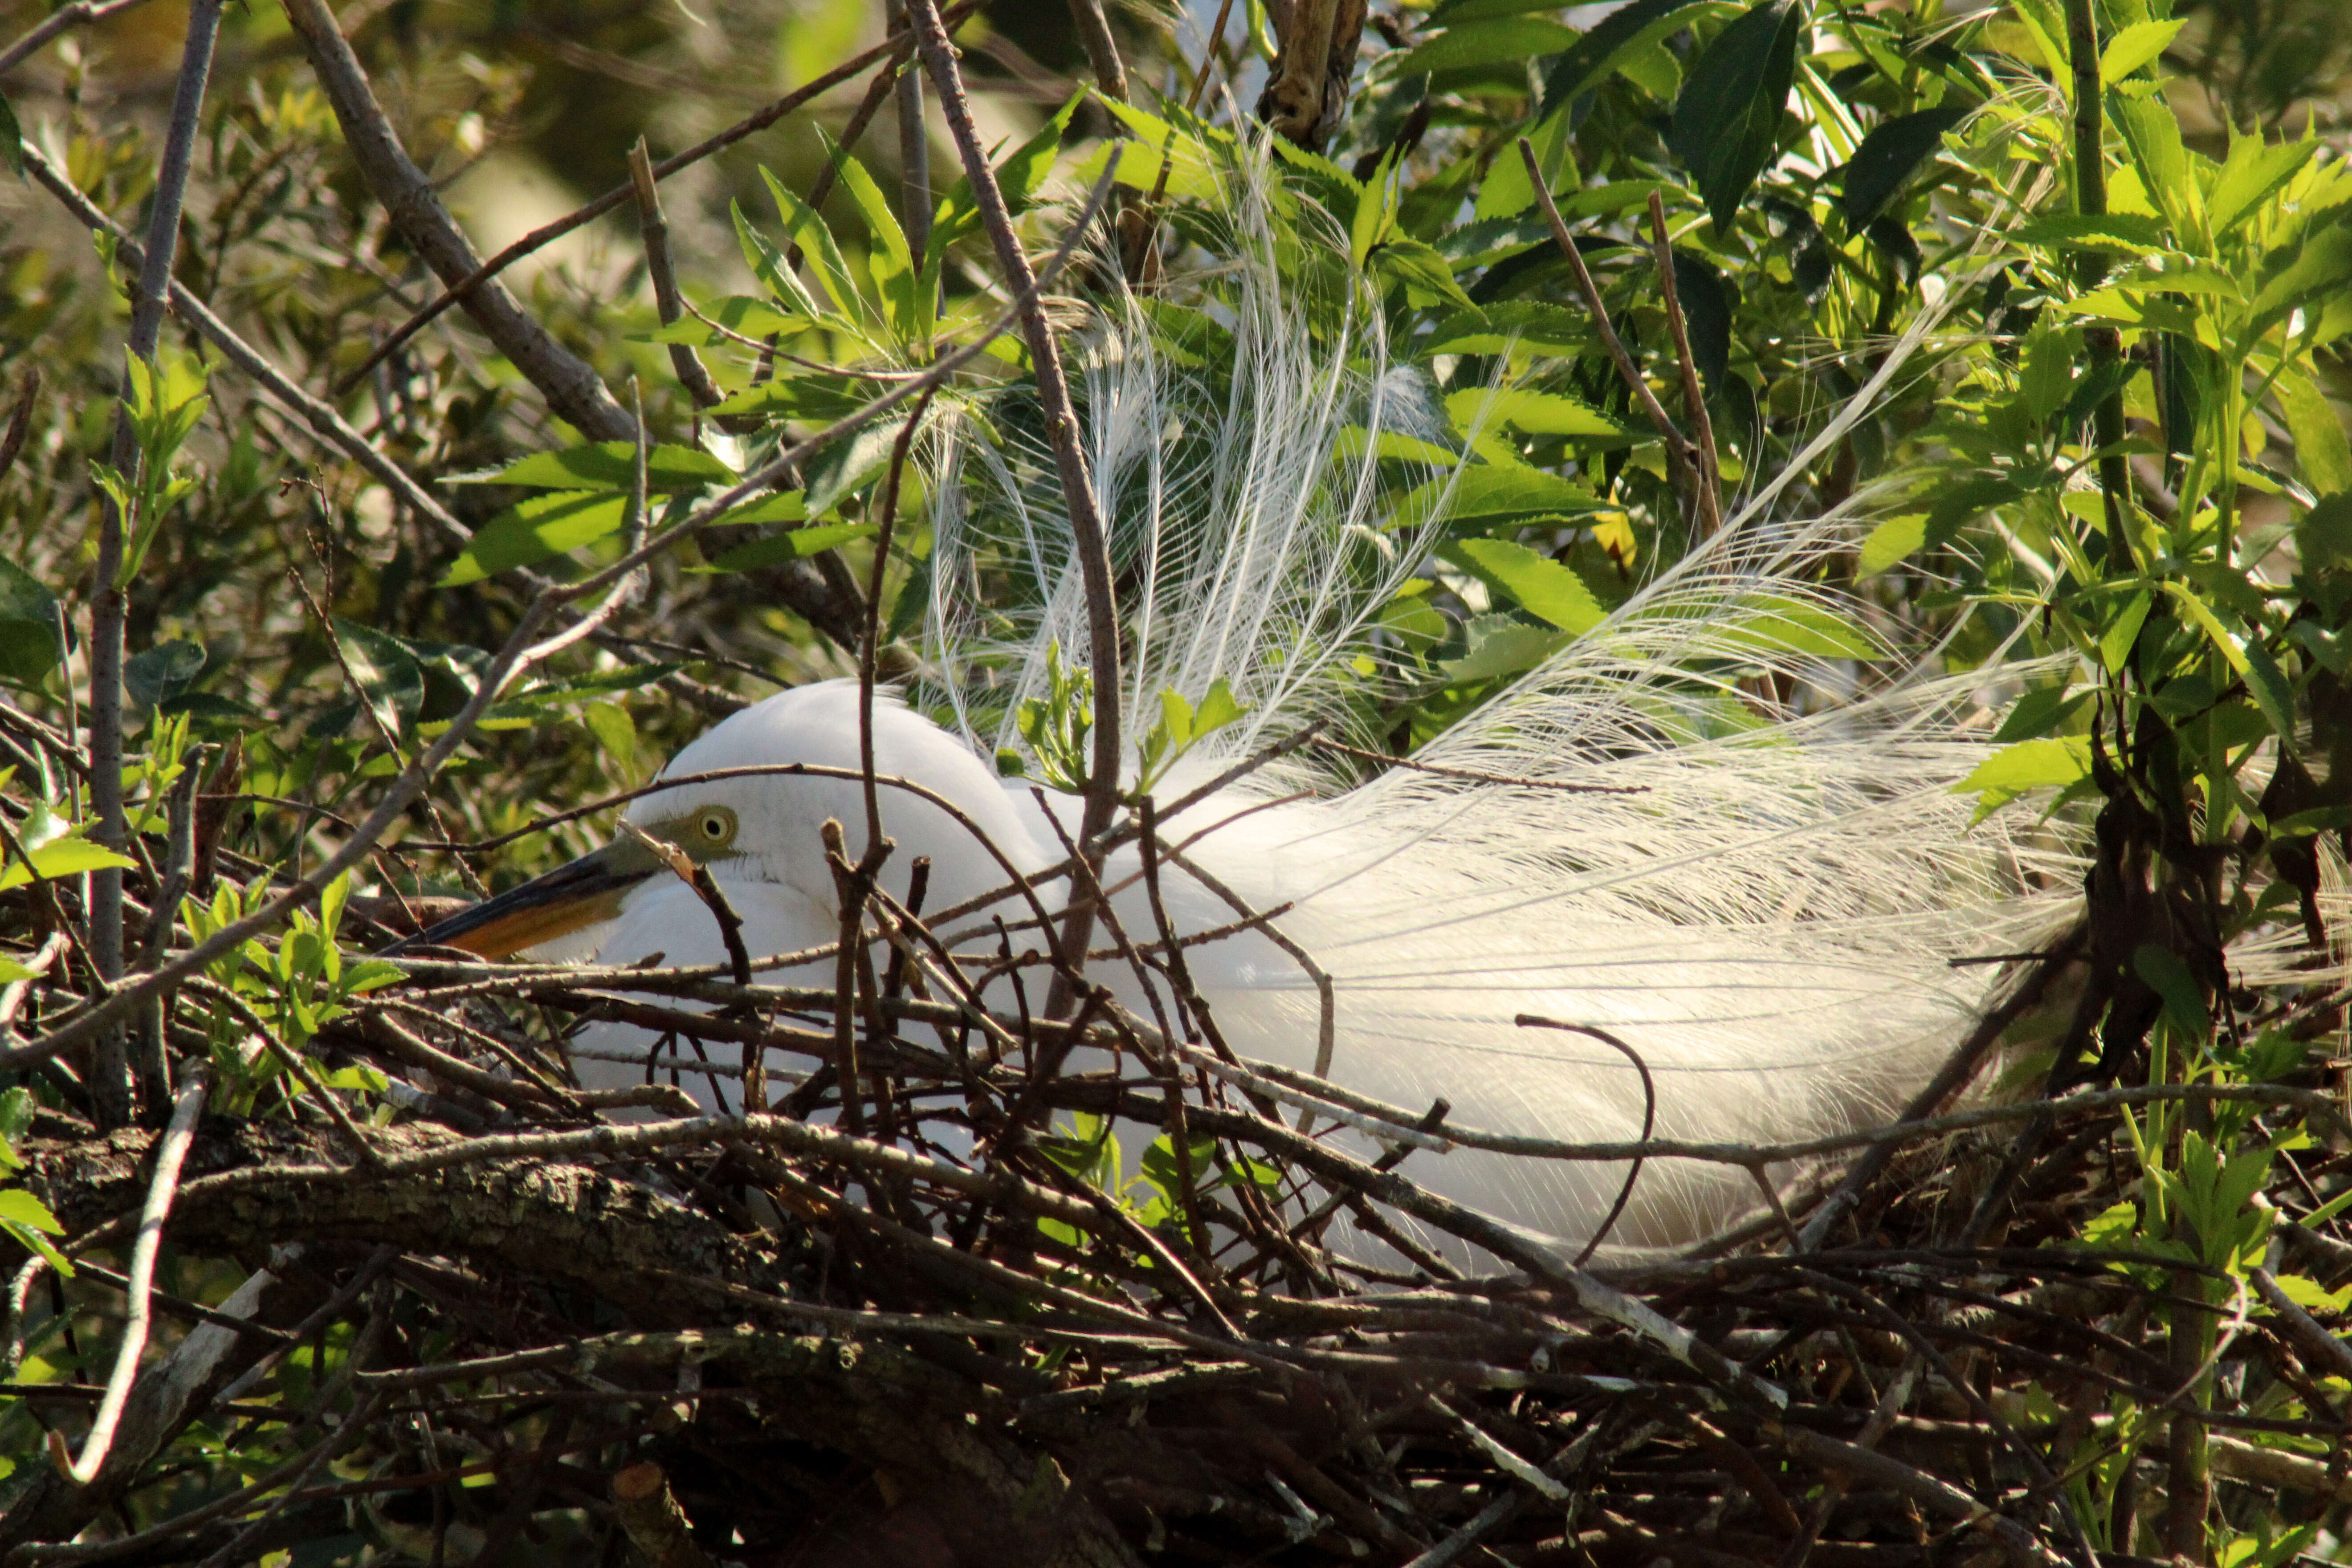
x=79, y=14
x=571, y=387
x=1710, y=468
x=1089, y=536
x=653, y=229
x=169, y=1157
x=110, y=1084
x=1679, y=454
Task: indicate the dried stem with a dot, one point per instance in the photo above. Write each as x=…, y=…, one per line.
x=169, y=1157
x=1709, y=476
x=1679, y=454
x=1088, y=534
x=653, y=229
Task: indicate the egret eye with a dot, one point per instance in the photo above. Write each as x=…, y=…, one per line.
x=715, y=825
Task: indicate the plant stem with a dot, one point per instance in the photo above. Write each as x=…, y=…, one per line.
x=2105, y=342
x=111, y=1078
x=1088, y=534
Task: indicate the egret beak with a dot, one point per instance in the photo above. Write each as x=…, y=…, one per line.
x=569, y=898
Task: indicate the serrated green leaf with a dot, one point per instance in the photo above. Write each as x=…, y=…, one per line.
x=534, y=528
x=1499, y=645
x=2253, y=171
x=67, y=856
x=2134, y=46
x=889, y=258
x=1537, y=413
x=1539, y=584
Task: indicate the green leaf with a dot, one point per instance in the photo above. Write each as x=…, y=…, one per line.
x=2317, y=269
x=2320, y=448
x=1537, y=413
x=1727, y=124
x=390, y=677
x=1890, y=541
x=18, y=1206
x=2040, y=711
x=739, y=313
x=1499, y=645
x=2115, y=642
x=805, y=228
x=67, y=856
x=1884, y=163
x=615, y=733
x=156, y=675
x=1771, y=623
x=1509, y=40
x=889, y=258
x=767, y=263
x=2153, y=136
x=846, y=462
x=793, y=544
x=28, y=626
x=2134, y=46
x=2254, y=170
x=1620, y=35
x=2184, y=1001
x=1539, y=584
x=612, y=466
x=534, y=528
x=2053, y=762
x=1487, y=491
x=2130, y=234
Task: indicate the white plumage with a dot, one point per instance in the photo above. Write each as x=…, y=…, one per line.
x=1768, y=915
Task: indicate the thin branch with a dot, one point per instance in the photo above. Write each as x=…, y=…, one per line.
x=1679, y=455
x=572, y=389
x=110, y=1085
x=79, y=14
x=1710, y=468
x=1090, y=539
x=653, y=229
x=170, y=1154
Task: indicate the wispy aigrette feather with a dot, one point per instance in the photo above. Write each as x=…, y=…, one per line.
x=1769, y=913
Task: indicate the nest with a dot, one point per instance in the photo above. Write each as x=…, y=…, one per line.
x=451, y=1311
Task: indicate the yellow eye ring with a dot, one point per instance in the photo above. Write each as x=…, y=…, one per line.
x=715, y=824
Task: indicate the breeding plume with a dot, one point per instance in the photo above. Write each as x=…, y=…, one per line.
x=1760, y=895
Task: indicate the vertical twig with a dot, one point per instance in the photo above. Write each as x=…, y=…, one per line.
x=150, y=1064
x=653, y=229
x=2105, y=343
x=1709, y=475
x=110, y=1093
x=171, y=1153
x=914, y=147
x=1679, y=456
x=1089, y=535
x=1102, y=50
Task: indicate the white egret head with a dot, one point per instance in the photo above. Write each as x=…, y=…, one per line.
x=761, y=834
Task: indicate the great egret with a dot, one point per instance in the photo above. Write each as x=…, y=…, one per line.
x=1763, y=904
